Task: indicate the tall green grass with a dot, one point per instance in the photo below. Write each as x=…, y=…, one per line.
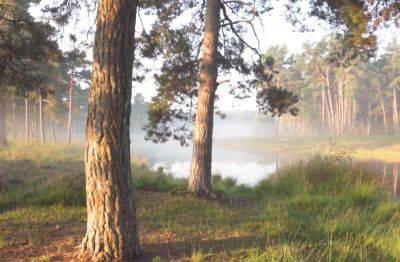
x=324, y=209
x=44, y=175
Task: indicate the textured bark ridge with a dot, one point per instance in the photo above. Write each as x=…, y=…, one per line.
x=200, y=174
x=112, y=233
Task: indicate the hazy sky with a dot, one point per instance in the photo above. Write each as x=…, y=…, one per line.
x=276, y=31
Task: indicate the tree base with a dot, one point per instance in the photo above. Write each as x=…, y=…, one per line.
x=206, y=195
x=85, y=254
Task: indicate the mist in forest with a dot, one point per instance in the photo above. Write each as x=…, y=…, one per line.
x=340, y=93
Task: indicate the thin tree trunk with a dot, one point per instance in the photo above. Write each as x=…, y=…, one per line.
x=14, y=121
x=337, y=116
x=26, y=119
x=382, y=106
x=328, y=86
x=112, y=232
x=323, y=106
x=200, y=173
x=395, y=113
x=395, y=178
x=41, y=119
x=354, y=120
x=328, y=120
x=69, y=128
x=341, y=104
x=384, y=176
x=3, y=127
x=35, y=127
x=369, y=119
x=53, y=128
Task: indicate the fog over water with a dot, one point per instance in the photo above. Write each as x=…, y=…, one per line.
x=246, y=167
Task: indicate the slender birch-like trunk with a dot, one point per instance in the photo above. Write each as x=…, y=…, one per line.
x=26, y=118
x=41, y=119
x=69, y=125
x=14, y=119
x=3, y=127
x=53, y=128
x=395, y=112
x=383, y=109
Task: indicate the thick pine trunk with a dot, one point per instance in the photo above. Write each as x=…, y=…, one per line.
x=69, y=127
x=112, y=232
x=3, y=127
x=41, y=119
x=200, y=175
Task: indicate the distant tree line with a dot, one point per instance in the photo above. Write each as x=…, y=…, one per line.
x=40, y=85
x=341, y=92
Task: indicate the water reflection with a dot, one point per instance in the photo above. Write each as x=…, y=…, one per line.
x=246, y=173
x=247, y=168
x=389, y=173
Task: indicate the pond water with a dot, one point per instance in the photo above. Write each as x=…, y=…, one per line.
x=246, y=167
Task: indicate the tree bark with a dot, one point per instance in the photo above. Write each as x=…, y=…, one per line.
x=41, y=119
x=200, y=175
x=112, y=232
x=3, y=127
x=69, y=128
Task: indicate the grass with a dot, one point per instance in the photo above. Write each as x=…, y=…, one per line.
x=327, y=208
x=384, y=148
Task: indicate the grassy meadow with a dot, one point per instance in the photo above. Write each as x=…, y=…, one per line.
x=379, y=147
x=325, y=209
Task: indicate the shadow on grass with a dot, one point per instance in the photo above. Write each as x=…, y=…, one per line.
x=182, y=249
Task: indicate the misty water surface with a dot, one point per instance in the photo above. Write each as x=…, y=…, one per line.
x=247, y=168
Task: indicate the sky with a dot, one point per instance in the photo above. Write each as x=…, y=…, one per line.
x=276, y=30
